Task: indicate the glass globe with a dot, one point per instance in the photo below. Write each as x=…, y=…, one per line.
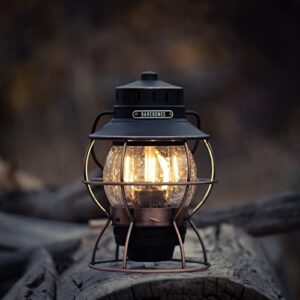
x=151, y=164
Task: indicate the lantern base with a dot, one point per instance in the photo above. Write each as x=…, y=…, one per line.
x=151, y=243
x=127, y=266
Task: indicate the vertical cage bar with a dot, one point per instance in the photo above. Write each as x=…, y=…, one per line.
x=200, y=240
x=180, y=245
x=126, y=206
x=184, y=199
x=122, y=180
x=98, y=240
x=127, y=245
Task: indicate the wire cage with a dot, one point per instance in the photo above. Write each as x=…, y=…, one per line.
x=121, y=264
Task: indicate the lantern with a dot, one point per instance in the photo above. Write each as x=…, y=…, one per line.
x=149, y=176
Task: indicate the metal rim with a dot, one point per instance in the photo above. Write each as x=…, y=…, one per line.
x=100, y=182
x=203, y=267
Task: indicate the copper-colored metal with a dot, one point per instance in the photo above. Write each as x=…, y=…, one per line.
x=201, y=268
x=98, y=240
x=212, y=178
x=141, y=183
x=152, y=217
x=122, y=180
x=180, y=244
x=187, y=187
x=149, y=216
x=86, y=178
x=126, y=245
x=200, y=240
x=119, y=216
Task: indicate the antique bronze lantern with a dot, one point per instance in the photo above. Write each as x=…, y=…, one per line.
x=149, y=176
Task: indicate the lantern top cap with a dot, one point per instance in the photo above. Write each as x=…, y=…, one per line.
x=149, y=109
x=148, y=80
x=149, y=75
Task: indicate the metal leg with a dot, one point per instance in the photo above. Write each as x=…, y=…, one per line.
x=200, y=240
x=126, y=245
x=180, y=244
x=98, y=240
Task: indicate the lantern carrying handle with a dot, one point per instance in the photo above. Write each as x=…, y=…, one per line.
x=212, y=178
x=94, y=127
x=196, y=115
x=86, y=178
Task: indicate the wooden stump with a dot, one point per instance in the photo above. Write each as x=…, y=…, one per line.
x=239, y=270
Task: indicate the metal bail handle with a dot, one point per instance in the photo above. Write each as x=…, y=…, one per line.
x=86, y=178
x=212, y=178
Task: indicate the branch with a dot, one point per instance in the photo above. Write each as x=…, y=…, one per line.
x=272, y=215
x=68, y=203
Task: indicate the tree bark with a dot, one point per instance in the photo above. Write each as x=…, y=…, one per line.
x=38, y=282
x=239, y=270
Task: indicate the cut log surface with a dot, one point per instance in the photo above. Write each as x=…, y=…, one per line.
x=239, y=270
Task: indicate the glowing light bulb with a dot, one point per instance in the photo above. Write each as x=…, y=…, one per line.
x=149, y=164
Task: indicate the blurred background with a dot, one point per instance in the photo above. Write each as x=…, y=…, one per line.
x=238, y=62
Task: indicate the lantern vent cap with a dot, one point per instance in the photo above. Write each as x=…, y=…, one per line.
x=149, y=80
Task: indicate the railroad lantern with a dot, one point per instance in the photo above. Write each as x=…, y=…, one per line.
x=149, y=176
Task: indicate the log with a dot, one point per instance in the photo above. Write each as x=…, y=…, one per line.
x=68, y=203
x=275, y=214
x=12, y=263
x=71, y=203
x=38, y=282
x=239, y=270
x=18, y=232
x=21, y=236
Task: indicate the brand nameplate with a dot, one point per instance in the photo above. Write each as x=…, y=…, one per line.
x=152, y=114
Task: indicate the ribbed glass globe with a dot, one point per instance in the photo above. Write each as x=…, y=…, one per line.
x=152, y=164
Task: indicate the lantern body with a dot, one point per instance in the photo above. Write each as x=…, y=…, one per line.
x=149, y=175
x=149, y=164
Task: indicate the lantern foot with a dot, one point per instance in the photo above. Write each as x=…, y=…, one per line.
x=151, y=243
x=148, y=247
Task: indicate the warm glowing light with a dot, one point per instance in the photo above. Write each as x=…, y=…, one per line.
x=151, y=164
